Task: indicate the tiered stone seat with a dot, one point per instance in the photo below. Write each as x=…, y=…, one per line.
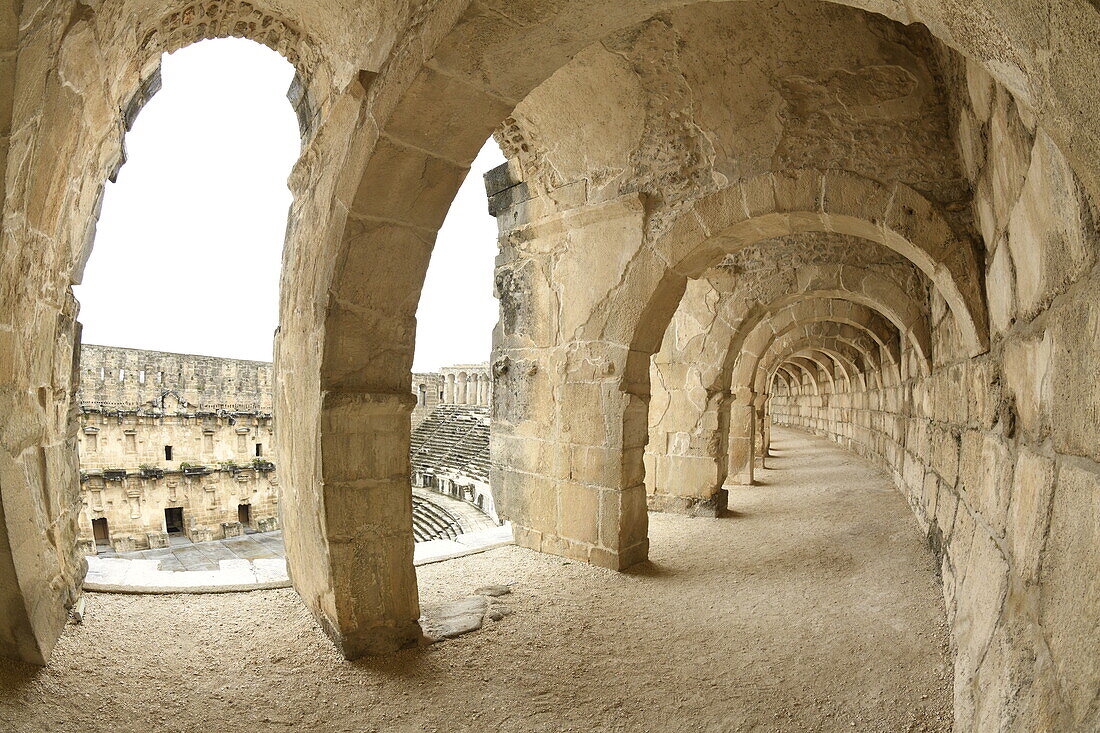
x=453, y=438
x=433, y=522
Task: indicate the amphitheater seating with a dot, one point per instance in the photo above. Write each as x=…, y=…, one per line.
x=433, y=522
x=453, y=438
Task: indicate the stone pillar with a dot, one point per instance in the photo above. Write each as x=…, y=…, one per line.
x=570, y=413
x=461, y=385
x=571, y=480
x=759, y=445
x=40, y=570
x=348, y=536
x=686, y=467
x=766, y=423
x=449, y=389
x=742, y=438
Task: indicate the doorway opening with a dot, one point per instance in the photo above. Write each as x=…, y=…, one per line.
x=244, y=515
x=101, y=532
x=173, y=520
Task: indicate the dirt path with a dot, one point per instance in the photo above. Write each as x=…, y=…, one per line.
x=814, y=608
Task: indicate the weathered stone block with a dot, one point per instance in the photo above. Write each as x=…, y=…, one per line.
x=1029, y=512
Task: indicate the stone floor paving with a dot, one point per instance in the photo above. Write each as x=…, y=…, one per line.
x=186, y=555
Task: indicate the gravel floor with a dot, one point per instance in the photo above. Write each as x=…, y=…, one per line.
x=813, y=607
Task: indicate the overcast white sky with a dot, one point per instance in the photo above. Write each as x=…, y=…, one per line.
x=188, y=247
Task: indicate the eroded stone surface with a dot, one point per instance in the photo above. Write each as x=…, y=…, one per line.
x=939, y=145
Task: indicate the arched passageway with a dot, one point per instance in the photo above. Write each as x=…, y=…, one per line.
x=950, y=151
x=814, y=609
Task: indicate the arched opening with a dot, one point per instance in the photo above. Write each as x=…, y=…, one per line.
x=635, y=170
x=182, y=283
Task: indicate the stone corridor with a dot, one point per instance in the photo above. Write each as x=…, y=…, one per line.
x=813, y=606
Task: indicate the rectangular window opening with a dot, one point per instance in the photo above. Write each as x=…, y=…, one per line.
x=259, y=450
x=167, y=452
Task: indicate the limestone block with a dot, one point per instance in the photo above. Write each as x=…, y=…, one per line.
x=1069, y=584
x=267, y=524
x=157, y=539
x=1010, y=155
x=1000, y=287
x=944, y=453
x=1047, y=228
x=980, y=89
x=1027, y=372
x=407, y=185
x=985, y=473
x=233, y=529
x=624, y=523
x=1073, y=394
x=1029, y=513
x=978, y=600
x=579, y=506
x=446, y=115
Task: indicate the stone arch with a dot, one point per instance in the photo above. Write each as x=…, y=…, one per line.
x=846, y=356
x=426, y=124
x=811, y=200
x=201, y=20
x=854, y=336
x=813, y=371
x=445, y=88
x=91, y=78
x=815, y=311
x=871, y=289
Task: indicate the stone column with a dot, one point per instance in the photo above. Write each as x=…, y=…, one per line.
x=461, y=385
x=357, y=518
x=449, y=389
x=742, y=438
x=766, y=425
x=572, y=482
x=570, y=415
x=758, y=430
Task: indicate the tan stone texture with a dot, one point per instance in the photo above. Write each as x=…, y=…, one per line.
x=934, y=163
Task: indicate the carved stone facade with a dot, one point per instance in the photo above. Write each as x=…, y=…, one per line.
x=180, y=444
x=173, y=444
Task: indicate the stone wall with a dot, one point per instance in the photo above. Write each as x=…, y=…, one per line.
x=217, y=463
x=912, y=269
x=121, y=378
x=179, y=431
x=998, y=455
x=427, y=387
x=652, y=138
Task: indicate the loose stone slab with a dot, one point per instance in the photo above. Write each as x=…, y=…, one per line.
x=454, y=618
